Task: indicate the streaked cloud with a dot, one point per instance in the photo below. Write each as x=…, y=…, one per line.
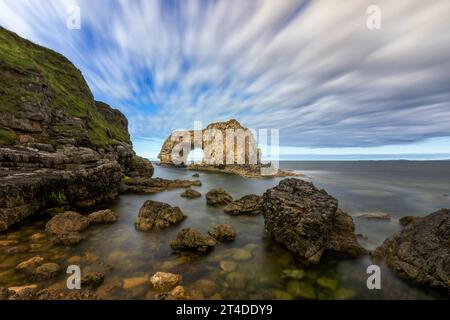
x=310, y=68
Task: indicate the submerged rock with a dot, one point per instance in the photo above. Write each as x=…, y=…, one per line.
x=420, y=252
x=249, y=205
x=206, y=287
x=47, y=271
x=191, y=194
x=130, y=283
x=192, y=240
x=242, y=255
x=29, y=266
x=222, y=233
x=155, y=215
x=228, y=265
x=218, y=197
x=296, y=274
x=307, y=221
x=103, y=217
x=66, y=226
x=92, y=280
x=164, y=281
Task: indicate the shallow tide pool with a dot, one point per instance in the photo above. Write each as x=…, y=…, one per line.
x=253, y=266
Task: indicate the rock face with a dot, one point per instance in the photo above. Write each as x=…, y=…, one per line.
x=222, y=233
x=155, y=215
x=307, y=221
x=57, y=145
x=192, y=240
x=420, y=252
x=228, y=147
x=250, y=154
x=218, y=197
x=66, y=227
x=249, y=205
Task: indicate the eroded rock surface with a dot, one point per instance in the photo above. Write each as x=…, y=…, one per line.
x=420, y=252
x=222, y=233
x=192, y=240
x=103, y=217
x=218, y=197
x=191, y=194
x=58, y=147
x=155, y=215
x=307, y=221
x=248, y=205
x=66, y=227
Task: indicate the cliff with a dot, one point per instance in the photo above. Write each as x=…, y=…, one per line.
x=58, y=146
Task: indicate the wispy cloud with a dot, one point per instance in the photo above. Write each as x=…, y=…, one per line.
x=310, y=68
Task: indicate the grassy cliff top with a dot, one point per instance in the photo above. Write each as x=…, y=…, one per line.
x=37, y=80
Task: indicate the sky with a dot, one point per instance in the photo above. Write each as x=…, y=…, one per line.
x=311, y=69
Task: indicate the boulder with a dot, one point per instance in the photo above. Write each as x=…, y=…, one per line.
x=103, y=217
x=222, y=233
x=307, y=221
x=420, y=252
x=191, y=194
x=66, y=227
x=192, y=240
x=248, y=205
x=155, y=215
x=92, y=280
x=218, y=197
x=164, y=281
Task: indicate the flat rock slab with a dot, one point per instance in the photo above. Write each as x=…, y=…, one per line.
x=420, y=252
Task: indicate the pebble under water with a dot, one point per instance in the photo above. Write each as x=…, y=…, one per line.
x=251, y=267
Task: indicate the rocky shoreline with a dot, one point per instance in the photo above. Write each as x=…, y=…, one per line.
x=60, y=161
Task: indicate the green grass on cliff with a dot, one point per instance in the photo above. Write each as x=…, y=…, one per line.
x=7, y=137
x=34, y=75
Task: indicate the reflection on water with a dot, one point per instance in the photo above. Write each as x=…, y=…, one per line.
x=252, y=266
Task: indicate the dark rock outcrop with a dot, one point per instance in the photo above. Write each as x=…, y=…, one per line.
x=248, y=205
x=193, y=241
x=222, y=233
x=155, y=215
x=154, y=185
x=420, y=252
x=218, y=197
x=307, y=221
x=57, y=145
x=191, y=194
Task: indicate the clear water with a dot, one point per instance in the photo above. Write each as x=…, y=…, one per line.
x=127, y=256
